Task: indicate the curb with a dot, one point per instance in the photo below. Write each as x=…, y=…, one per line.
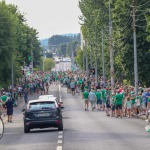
x=140, y=117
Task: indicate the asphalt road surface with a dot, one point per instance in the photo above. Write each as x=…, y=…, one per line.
x=62, y=66
x=82, y=130
x=95, y=131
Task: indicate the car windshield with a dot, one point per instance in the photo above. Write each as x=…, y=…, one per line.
x=42, y=105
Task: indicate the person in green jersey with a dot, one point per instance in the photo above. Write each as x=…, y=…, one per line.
x=103, y=91
x=119, y=101
x=4, y=98
x=86, y=101
x=99, y=99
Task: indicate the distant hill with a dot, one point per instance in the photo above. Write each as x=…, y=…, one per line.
x=44, y=42
x=71, y=34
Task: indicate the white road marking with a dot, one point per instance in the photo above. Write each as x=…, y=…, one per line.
x=59, y=141
x=60, y=132
x=60, y=136
x=59, y=148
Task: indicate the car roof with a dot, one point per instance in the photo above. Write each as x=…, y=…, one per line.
x=41, y=96
x=41, y=100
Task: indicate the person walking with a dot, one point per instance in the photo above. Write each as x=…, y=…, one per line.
x=25, y=95
x=92, y=99
x=9, y=106
x=99, y=99
x=72, y=86
x=86, y=101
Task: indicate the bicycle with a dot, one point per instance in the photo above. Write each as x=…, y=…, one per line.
x=1, y=127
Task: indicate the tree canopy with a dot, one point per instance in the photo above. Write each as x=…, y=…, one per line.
x=17, y=42
x=95, y=20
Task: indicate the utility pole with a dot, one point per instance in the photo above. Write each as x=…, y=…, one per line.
x=96, y=56
x=111, y=51
x=135, y=50
x=90, y=54
x=12, y=77
x=103, y=60
x=86, y=58
x=72, y=55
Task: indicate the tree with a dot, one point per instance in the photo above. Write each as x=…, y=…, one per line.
x=48, y=64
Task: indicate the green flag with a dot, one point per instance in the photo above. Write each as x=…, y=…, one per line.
x=29, y=58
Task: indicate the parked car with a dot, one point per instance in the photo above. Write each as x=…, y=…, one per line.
x=42, y=113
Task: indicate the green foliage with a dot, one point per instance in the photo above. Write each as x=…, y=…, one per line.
x=48, y=64
x=62, y=45
x=16, y=42
x=95, y=19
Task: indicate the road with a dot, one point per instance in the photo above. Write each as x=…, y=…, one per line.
x=95, y=131
x=15, y=139
x=82, y=130
x=62, y=66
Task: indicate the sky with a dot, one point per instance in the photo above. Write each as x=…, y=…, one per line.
x=50, y=17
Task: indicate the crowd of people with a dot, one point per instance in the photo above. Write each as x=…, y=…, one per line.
x=122, y=102
x=36, y=83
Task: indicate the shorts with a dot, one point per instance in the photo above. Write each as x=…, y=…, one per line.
x=85, y=100
x=72, y=89
x=144, y=105
x=103, y=101
x=138, y=106
x=108, y=106
x=99, y=102
x=118, y=106
x=113, y=108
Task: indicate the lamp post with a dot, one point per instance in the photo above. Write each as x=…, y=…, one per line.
x=12, y=77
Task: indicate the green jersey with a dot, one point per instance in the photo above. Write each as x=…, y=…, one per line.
x=99, y=95
x=85, y=95
x=4, y=98
x=113, y=99
x=103, y=94
x=119, y=98
x=149, y=99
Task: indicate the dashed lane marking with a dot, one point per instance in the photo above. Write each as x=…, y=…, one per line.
x=59, y=148
x=60, y=141
x=60, y=136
